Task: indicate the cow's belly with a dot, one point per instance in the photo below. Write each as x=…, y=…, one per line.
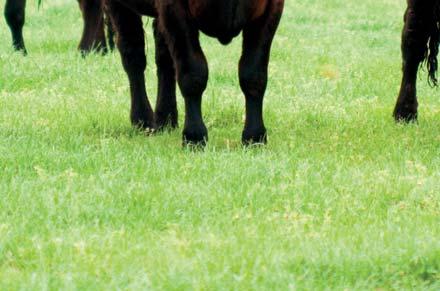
x=225, y=19
x=144, y=7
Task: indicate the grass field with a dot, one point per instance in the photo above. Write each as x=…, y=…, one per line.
x=340, y=198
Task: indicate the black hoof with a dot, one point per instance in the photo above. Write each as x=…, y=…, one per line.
x=166, y=120
x=254, y=137
x=21, y=49
x=195, y=135
x=405, y=113
x=143, y=121
x=99, y=51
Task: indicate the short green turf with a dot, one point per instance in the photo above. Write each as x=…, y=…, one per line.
x=340, y=198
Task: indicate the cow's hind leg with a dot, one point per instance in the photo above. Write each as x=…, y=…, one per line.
x=257, y=40
x=93, y=36
x=191, y=66
x=166, y=107
x=131, y=45
x=110, y=34
x=15, y=17
x=419, y=22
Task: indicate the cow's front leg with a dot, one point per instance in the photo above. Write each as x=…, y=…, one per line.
x=15, y=17
x=191, y=66
x=257, y=40
x=131, y=45
x=416, y=32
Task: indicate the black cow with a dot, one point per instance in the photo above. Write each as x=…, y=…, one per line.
x=180, y=57
x=420, y=43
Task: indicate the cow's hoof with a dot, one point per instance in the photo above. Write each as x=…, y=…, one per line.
x=22, y=50
x=166, y=120
x=405, y=113
x=143, y=121
x=196, y=135
x=254, y=137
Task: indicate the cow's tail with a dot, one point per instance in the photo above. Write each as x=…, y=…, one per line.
x=432, y=49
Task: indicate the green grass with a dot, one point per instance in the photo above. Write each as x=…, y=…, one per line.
x=340, y=198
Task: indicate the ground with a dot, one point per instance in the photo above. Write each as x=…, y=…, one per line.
x=340, y=198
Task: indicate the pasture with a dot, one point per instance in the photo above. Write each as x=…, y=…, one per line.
x=342, y=197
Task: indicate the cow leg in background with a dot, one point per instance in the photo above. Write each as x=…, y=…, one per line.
x=166, y=107
x=110, y=34
x=15, y=16
x=257, y=40
x=191, y=67
x=131, y=45
x=93, y=37
x=419, y=18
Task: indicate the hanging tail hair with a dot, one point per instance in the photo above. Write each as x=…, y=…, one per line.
x=432, y=49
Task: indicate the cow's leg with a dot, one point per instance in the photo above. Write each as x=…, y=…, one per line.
x=419, y=18
x=257, y=40
x=131, y=45
x=110, y=34
x=166, y=107
x=191, y=67
x=93, y=36
x=15, y=16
